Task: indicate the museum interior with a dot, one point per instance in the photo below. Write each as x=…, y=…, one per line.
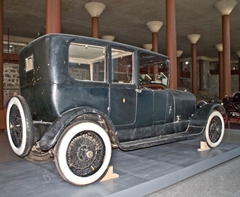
x=202, y=41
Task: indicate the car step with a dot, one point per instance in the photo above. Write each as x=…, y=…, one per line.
x=191, y=133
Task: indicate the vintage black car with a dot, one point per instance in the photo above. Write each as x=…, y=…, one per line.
x=82, y=96
x=232, y=107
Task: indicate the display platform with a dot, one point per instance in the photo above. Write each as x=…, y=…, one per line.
x=233, y=124
x=141, y=172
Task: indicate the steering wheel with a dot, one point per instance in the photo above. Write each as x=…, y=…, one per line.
x=154, y=86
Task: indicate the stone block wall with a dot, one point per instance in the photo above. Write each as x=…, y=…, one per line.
x=234, y=83
x=11, y=81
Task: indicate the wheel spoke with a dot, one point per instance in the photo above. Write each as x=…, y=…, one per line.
x=215, y=129
x=85, y=154
x=15, y=126
x=19, y=126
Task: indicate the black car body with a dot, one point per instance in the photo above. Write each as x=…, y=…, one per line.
x=71, y=83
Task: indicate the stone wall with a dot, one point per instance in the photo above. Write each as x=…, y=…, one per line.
x=234, y=83
x=10, y=80
x=210, y=82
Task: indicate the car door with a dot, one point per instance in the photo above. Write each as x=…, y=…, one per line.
x=160, y=109
x=144, y=108
x=163, y=107
x=122, y=104
x=122, y=94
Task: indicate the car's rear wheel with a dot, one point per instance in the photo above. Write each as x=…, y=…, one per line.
x=83, y=153
x=214, y=130
x=19, y=126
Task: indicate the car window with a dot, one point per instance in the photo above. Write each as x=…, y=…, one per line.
x=122, y=64
x=87, y=62
x=29, y=63
x=153, y=69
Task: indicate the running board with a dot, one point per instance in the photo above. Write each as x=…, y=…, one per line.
x=192, y=132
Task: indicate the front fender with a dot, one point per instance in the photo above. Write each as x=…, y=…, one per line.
x=51, y=136
x=201, y=115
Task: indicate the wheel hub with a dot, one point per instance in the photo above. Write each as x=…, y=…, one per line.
x=89, y=154
x=85, y=153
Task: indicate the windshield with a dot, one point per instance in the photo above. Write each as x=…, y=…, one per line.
x=153, y=70
x=160, y=78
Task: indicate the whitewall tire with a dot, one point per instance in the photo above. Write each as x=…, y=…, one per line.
x=83, y=153
x=214, y=130
x=19, y=126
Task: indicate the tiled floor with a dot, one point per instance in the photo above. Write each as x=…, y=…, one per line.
x=141, y=172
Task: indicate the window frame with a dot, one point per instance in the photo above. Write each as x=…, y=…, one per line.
x=126, y=53
x=91, y=63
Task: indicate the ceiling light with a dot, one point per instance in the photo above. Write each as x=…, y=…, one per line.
x=225, y=7
x=193, y=38
x=219, y=47
x=147, y=46
x=95, y=8
x=179, y=53
x=238, y=53
x=108, y=37
x=154, y=26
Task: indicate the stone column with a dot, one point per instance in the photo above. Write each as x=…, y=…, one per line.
x=154, y=27
x=219, y=47
x=1, y=54
x=172, y=41
x=95, y=9
x=53, y=16
x=179, y=53
x=193, y=38
x=225, y=7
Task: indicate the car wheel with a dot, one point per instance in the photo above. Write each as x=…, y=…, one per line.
x=19, y=126
x=214, y=130
x=83, y=153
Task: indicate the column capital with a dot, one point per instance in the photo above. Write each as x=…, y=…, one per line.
x=238, y=53
x=147, y=46
x=219, y=47
x=95, y=9
x=225, y=7
x=108, y=37
x=154, y=26
x=193, y=38
x=179, y=53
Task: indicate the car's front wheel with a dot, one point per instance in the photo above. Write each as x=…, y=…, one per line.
x=83, y=153
x=214, y=130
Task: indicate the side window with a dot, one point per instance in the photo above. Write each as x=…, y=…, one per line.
x=122, y=66
x=87, y=62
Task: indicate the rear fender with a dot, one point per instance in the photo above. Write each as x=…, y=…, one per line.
x=201, y=115
x=51, y=136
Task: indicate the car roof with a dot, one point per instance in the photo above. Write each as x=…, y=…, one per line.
x=94, y=40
